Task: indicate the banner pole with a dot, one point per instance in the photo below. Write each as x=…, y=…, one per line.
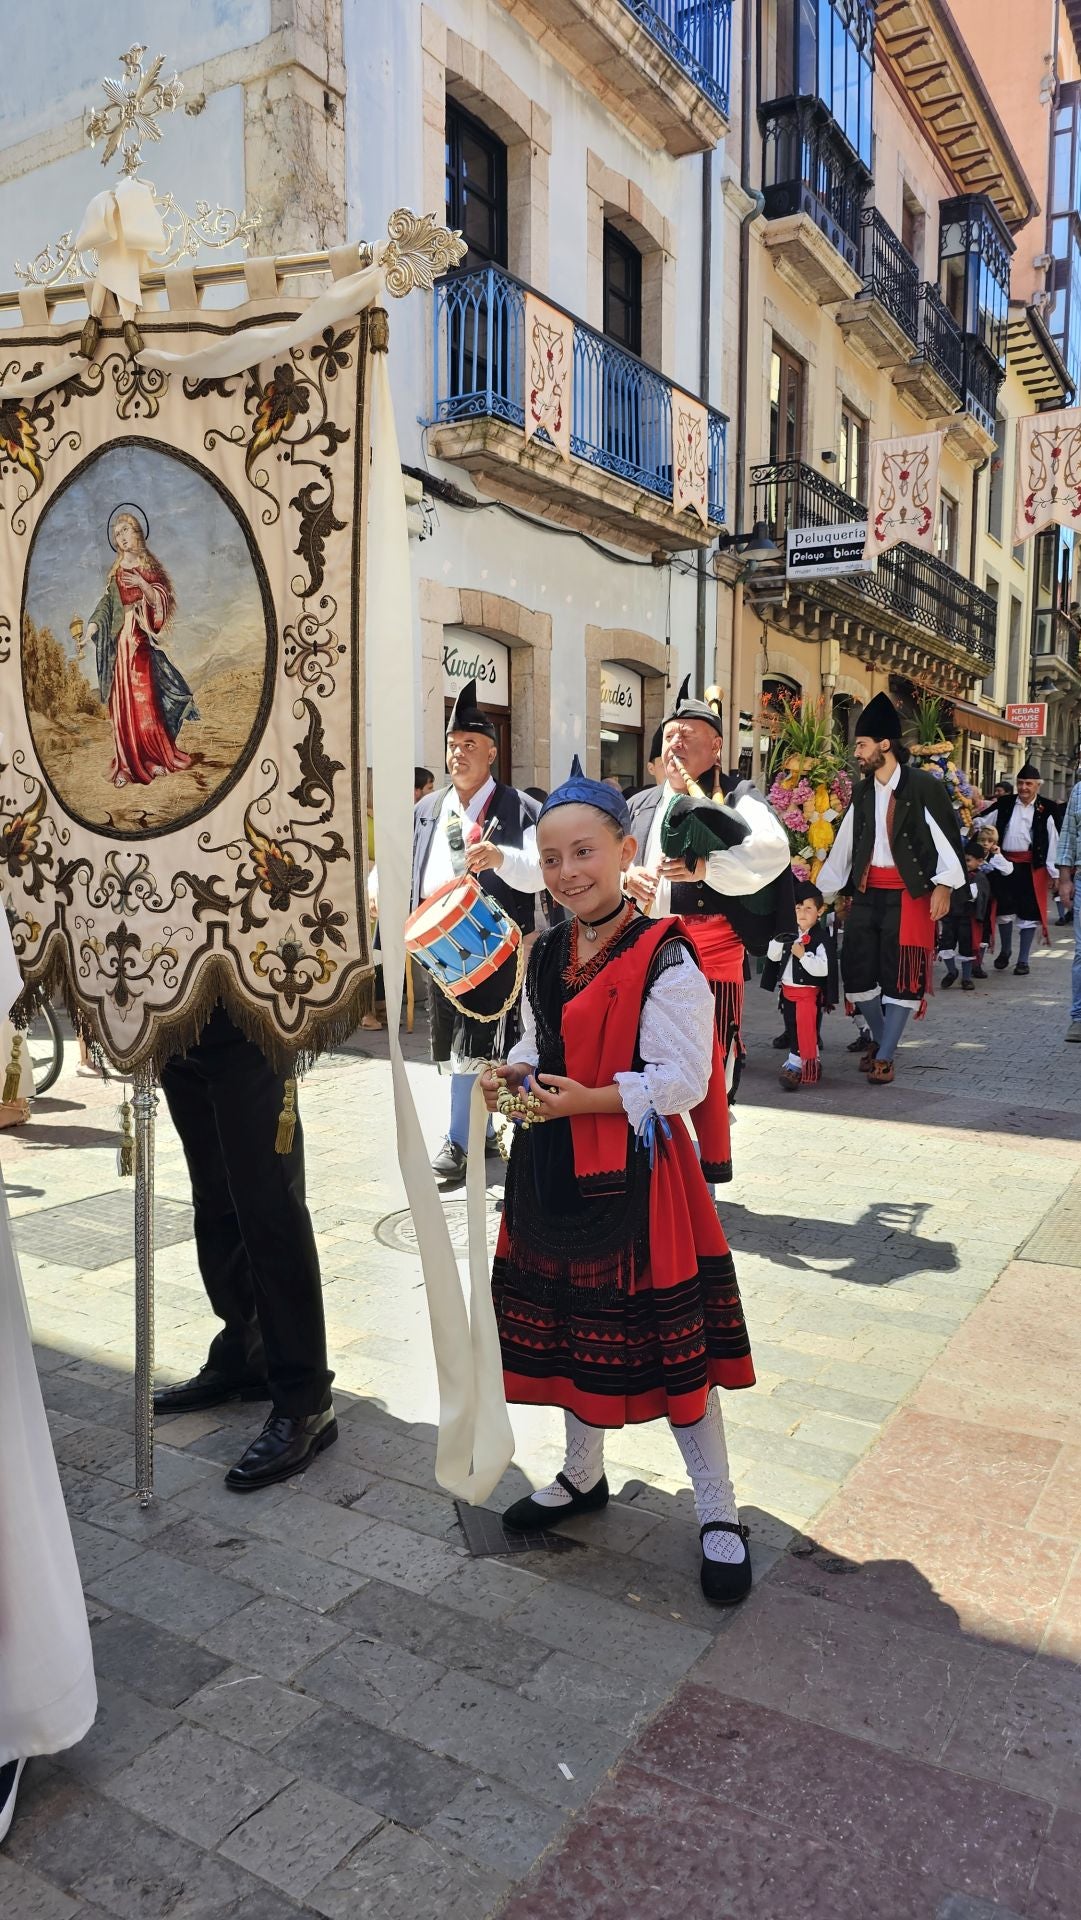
x=144, y=1105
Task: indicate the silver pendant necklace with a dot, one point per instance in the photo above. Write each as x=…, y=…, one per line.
x=591, y=928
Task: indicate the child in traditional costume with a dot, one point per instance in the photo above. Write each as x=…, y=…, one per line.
x=805, y=969
x=961, y=933
x=614, y=1288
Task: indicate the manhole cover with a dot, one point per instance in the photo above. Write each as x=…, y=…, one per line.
x=397, y=1230
x=98, y=1231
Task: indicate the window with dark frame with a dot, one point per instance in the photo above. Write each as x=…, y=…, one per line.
x=996, y=481
x=786, y=387
x=622, y=290
x=852, y=453
x=946, y=542
x=476, y=188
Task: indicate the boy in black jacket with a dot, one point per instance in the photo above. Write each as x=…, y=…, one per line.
x=806, y=970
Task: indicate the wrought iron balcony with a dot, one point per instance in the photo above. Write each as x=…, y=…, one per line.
x=884, y=318
x=1056, y=638
x=662, y=66
x=983, y=377
x=890, y=275
x=697, y=35
x=941, y=341
x=810, y=168
x=907, y=583
x=621, y=418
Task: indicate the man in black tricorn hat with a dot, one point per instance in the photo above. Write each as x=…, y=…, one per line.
x=474, y=825
x=1028, y=838
x=898, y=853
x=735, y=891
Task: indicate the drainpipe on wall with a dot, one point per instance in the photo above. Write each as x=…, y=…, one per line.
x=704, y=334
x=747, y=98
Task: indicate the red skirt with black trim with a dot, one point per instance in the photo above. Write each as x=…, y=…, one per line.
x=624, y=1308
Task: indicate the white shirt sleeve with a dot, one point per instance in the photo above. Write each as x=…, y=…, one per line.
x=775, y=951
x=521, y=867
x=524, y=1052
x=676, y=1043
x=1052, y=849
x=833, y=875
x=817, y=963
x=998, y=863
x=951, y=872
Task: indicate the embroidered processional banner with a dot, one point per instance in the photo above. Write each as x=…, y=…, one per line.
x=181, y=682
x=1048, y=472
x=549, y=365
x=903, y=492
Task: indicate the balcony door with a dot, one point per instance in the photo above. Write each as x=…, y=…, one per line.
x=476, y=201
x=787, y=388
x=622, y=324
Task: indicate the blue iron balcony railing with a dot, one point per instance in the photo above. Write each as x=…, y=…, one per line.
x=621, y=410
x=918, y=586
x=697, y=35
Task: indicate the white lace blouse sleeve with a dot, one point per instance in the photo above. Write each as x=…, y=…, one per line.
x=676, y=1040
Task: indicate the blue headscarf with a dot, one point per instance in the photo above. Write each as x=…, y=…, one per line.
x=579, y=791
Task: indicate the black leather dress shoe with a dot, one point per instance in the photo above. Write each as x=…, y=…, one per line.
x=530, y=1516
x=1002, y=961
x=208, y=1389
x=285, y=1446
x=449, y=1164
x=1022, y=968
x=723, y=1582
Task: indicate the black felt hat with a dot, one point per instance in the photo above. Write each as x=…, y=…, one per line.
x=1029, y=772
x=879, y=720
x=656, y=743
x=466, y=716
x=684, y=708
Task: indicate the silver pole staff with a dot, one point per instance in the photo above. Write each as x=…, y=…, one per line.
x=144, y=1105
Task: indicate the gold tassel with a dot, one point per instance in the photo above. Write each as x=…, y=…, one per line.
x=287, y=1119
x=15, y=1071
x=125, y=1153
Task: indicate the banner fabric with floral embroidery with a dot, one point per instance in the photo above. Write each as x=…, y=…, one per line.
x=181, y=684
x=690, y=455
x=903, y=493
x=1048, y=472
x=549, y=372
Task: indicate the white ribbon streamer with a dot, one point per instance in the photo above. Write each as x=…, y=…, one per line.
x=475, y=1444
x=123, y=226
x=238, y=351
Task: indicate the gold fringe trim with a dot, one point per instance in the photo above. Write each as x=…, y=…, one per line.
x=14, y=1073
x=175, y=1033
x=287, y=1119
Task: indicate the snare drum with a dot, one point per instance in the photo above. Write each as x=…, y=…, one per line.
x=462, y=935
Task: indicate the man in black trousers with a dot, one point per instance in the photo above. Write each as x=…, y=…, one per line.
x=257, y=1253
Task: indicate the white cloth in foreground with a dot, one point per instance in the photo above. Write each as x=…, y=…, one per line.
x=48, y=1698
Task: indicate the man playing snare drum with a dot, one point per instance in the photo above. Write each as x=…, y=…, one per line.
x=475, y=825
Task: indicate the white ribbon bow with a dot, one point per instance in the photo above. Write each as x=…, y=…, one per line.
x=123, y=226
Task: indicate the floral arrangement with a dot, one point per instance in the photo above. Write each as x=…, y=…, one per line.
x=934, y=753
x=811, y=787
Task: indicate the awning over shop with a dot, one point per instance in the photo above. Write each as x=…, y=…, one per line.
x=989, y=726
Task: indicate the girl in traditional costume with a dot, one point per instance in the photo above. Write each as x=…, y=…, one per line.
x=614, y=1288
x=148, y=698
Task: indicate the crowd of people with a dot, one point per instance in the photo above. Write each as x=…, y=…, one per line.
x=615, y=1294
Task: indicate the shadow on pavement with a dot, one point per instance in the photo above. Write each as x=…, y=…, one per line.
x=876, y=1250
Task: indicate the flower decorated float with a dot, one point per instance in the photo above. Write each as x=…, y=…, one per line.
x=932, y=751
x=811, y=787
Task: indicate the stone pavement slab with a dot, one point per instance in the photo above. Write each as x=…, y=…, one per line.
x=314, y=1701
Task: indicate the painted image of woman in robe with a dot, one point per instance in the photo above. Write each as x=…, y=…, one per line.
x=147, y=696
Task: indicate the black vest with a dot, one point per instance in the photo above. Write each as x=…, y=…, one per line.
x=1041, y=813
x=912, y=844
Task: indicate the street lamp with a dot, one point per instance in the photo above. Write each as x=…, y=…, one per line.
x=756, y=548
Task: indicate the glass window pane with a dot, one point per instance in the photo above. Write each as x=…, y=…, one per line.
x=808, y=45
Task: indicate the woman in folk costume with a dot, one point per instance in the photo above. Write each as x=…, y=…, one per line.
x=48, y=1698
x=614, y=1288
x=898, y=855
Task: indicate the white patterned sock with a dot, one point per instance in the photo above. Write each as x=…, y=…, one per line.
x=705, y=1457
x=583, y=1465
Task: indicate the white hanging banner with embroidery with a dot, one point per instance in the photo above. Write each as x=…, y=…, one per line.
x=690, y=455
x=1048, y=472
x=903, y=493
x=549, y=365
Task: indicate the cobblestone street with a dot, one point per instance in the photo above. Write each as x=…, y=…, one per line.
x=315, y=1701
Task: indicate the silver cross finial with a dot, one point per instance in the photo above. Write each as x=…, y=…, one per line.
x=131, y=115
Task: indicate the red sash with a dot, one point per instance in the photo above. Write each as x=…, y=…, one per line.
x=600, y=1036
x=806, y=1002
x=1040, y=886
x=917, y=936
x=719, y=948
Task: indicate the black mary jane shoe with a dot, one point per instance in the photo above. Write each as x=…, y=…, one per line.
x=724, y=1582
x=10, y=1774
x=529, y=1516
x=208, y=1388
x=286, y=1446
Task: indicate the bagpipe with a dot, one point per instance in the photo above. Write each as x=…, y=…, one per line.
x=697, y=824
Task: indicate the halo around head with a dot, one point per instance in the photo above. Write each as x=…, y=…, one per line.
x=127, y=510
